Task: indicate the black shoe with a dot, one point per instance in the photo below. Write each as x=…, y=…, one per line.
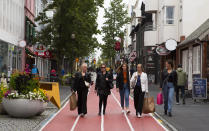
x=99, y=114
x=165, y=112
x=169, y=114
x=184, y=101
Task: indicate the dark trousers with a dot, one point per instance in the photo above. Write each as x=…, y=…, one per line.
x=82, y=102
x=102, y=100
x=182, y=93
x=138, y=100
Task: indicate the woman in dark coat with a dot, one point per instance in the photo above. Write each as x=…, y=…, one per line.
x=103, y=86
x=81, y=84
x=168, y=84
x=123, y=86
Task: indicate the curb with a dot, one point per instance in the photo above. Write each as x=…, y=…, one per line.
x=169, y=126
x=38, y=127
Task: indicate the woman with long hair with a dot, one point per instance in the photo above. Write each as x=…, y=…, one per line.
x=139, y=82
x=123, y=86
x=81, y=84
x=168, y=84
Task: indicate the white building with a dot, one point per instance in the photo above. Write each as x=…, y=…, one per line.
x=174, y=18
x=11, y=32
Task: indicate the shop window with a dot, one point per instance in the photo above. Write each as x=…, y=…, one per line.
x=196, y=60
x=169, y=15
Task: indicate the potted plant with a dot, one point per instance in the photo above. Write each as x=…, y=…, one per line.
x=3, y=90
x=24, y=97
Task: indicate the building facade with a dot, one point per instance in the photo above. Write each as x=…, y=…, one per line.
x=11, y=33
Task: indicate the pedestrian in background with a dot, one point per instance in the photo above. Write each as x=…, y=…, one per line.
x=81, y=84
x=123, y=86
x=35, y=72
x=181, y=83
x=103, y=86
x=168, y=84
x=139, y=82
x=27, y=69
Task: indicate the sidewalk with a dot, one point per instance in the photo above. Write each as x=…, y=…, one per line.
x=189, y=117
x=8, y=123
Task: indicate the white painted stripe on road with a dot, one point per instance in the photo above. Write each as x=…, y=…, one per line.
x=128, y=121
x=158, y=122
x=102, y=119
x=53, y=116
x=75, y=123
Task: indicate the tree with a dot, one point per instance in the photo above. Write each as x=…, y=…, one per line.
x=116, y=18
x=71, y=17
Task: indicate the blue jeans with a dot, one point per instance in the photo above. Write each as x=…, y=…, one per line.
x=168, y=92
x=124, y=92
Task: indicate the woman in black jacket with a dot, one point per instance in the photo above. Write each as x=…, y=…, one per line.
x=168, y=84
x=103, y=86
x=81, y=84
x=123, y=86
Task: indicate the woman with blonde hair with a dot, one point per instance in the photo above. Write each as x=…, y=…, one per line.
x=139, y=82
x=81, y=84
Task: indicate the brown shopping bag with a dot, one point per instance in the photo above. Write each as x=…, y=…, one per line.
x=149, y=105
x=73, y=101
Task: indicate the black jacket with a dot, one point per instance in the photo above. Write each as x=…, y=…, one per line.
x=78, y=82
x=119, y=80
x=165, y=77
x=103, y=86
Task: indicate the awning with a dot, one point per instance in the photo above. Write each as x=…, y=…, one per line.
x=199, y=34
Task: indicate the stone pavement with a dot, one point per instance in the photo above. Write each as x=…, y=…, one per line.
x=189, y=117
x=32, y=124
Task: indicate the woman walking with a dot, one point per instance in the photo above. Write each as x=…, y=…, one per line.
x=168, y=84
x=123, y=86
x=103, y=86
x=139, y=82
x=81, y=85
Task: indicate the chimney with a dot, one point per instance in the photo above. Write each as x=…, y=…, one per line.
x=182, y=38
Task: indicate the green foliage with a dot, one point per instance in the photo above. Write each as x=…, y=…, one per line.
x=71, y=17
x=23, y=84
x=3, y=89
x=116, y=18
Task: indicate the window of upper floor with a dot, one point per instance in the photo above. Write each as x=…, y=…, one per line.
x=169, y=15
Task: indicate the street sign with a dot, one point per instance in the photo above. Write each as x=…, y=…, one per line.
x=171, y=44
x=132, y=56
x=199, y=90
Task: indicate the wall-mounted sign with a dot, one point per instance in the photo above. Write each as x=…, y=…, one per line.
x=22, y=43
x=171, y=44
x=132, y=56
x=161, y=50
x=40, y=48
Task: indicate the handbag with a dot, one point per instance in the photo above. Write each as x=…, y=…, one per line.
x=73, y=101
x=160, y=98
x=148, y=105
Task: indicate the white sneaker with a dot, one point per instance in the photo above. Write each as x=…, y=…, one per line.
x=138, y=115
x=123, y=111
x=177, y=103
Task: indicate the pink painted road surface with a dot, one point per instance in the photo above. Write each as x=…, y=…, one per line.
x=114, y=119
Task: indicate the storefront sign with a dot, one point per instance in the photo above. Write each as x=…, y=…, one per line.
x=132, y=56
x=199, y=90
x=22, y=43
x=162, y=50
x=40, y=48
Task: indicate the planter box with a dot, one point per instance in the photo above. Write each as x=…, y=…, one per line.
x=2, y=111
x=22, y=108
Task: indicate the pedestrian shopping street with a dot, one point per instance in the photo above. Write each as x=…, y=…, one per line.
x=113, y=120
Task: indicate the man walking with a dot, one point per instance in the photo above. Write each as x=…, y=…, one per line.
x=181, y=83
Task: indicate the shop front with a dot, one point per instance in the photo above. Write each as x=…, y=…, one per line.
x=10, y=58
